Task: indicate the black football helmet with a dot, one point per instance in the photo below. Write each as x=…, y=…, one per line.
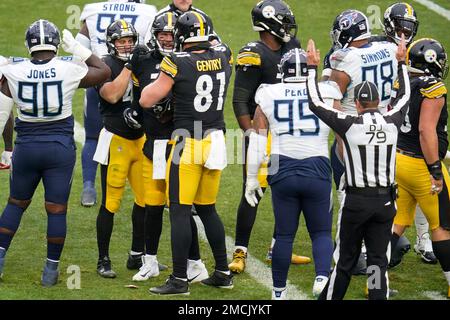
x=117, y=30
x=427, y=56
x=42, y=35
x=276, y=17
x=293, y=66
x=400, y=18
x=164, y=22
x=349, y=26
x=191, y=27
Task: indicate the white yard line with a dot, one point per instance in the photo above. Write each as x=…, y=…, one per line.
x=255, y=268
x=435, y=8
x=434, y=295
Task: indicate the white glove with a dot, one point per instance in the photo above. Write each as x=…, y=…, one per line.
x=5, y=161
x=251, y=187
x=70, y=45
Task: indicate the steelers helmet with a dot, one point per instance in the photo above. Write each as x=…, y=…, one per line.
x=117, y=30
x=164, y=22
x=275, y=17
x=427, y=56
x=191, y=27
x=400, y=18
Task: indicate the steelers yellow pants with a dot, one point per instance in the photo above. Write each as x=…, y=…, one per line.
x=125, y=162
x=188, y=180
x=414, y=185
x=155, y=190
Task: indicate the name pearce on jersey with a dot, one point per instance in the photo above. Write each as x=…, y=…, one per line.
x=42, y=74
x=377, y=56
x=209, y=65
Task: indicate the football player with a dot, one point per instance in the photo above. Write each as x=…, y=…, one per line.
x=302, y=182
x=158, y=127
x=198, y=78
x=422, y=146
x=42, y=88
x=119, y=150
x=95, y=18
x=257, y=63
x=7, y=132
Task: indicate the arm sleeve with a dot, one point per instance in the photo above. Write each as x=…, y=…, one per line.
x=245, y=85
x=399, y=107
x=336, y=120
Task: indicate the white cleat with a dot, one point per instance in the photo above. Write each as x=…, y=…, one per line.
x=196, y=271
x=424, y=248
x=148, y=270
x=279, y=294
x=319, y=284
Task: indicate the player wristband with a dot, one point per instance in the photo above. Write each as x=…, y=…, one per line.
x=435, y=170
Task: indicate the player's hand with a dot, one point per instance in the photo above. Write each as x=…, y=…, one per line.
x=130, y=116
x=72, y=46
x=251, y=188
x=5, y=160
x=401, y=50
x=140, y=52
x=436, y=185
x=312, y=54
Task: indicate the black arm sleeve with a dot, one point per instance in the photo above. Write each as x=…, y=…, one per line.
x=336, y=120
x=401, y=103
x=245, y=84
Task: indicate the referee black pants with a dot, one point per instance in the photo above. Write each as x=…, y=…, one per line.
x=368, y=218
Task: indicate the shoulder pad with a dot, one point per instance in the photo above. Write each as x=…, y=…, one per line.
x=222, y=47
x=3, y=61
x=339, y=56
x=432, y=88
x=259, y=92
x=330, y=90
x=168, y=66
x=249, y=55
x=89, y=10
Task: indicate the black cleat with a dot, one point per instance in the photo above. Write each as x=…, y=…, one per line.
x=397, y=253
x=104, y=268
x=219, y=280
x=173, y=286
x=134, y=261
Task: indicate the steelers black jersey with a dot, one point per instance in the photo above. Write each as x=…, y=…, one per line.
x=256, y=63
x=145, y=71
x=201, y=82
x=112, y=114
x=421, y=88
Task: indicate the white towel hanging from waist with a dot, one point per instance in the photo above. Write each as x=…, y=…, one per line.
x=102, y=152
x=217, y=158
x=159, y=159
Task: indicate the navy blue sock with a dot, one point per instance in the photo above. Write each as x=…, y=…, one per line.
x=9, y=223
x=322, y=247
x=56, y=235
x=281, y=260
x=89, y=165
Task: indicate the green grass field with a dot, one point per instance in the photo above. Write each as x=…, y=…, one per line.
x=232, y=21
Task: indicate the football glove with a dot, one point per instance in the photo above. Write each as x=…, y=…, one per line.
x=72, y=46
x=5, y=161
x=130, y=116
x=251, y=188
x=163, y=109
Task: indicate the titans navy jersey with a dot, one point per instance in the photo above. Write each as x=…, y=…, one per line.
x=112, y=114
x=43, y=92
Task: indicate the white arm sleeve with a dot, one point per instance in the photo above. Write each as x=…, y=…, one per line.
x=85, y=41
x=255, y=154
x=6, y=104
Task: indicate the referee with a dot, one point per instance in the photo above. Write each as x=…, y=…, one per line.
x=369, y=143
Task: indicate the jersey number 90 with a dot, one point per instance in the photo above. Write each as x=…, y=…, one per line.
x=49, y=95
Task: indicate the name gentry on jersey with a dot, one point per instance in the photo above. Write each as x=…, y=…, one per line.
x=119, y=7
x=42, y=74
x=209, y=65
x=374, y=57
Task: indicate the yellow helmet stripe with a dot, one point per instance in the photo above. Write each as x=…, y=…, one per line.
x=169, y=20
x=124, y=24
x=200, y=20
x=409, y=8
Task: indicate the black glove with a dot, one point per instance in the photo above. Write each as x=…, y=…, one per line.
x=163, y=109
x=140, y=52
x=130, y=116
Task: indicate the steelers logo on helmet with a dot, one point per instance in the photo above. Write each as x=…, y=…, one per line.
x=269, y=12
x=430, y=56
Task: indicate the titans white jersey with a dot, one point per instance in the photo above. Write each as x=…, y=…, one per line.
x=296, y=132
x=43, y=92
x=98, y=16
x=3, y=61
x=374, y=62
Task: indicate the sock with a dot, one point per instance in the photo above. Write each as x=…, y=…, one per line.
x=181, y=237
x=10, y=220
x=421, y=223
x=153, y=228
x=56, y=234
x=52, y=264
x=134, y=253
x=322, y=248
x=281, y=260
x=138, y=222
x=441, y=250
x=215, y=233
x=194, y=249
x=87, y=162
x=245, y=220
x=240, y=248
x=105, y=223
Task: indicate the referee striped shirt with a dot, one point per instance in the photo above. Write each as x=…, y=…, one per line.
x=370, y=138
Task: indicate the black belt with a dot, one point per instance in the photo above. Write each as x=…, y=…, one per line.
x=369, y=191
x=410, y=154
